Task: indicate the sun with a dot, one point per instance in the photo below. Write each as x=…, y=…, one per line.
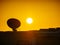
x=29, y=20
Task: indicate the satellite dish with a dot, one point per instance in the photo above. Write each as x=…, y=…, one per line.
x=13, y=23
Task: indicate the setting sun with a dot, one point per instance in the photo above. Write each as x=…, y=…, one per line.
x=29, y=20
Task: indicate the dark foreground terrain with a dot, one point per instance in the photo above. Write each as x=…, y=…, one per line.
x=49, y=36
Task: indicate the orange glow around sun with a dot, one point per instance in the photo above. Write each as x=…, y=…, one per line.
x=33, y=15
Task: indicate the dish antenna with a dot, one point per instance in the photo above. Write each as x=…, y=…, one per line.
x=13, y=23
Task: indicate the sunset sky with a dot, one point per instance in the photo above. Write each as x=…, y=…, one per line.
x=44, y=14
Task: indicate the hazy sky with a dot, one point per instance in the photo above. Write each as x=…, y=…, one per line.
x=45, y=14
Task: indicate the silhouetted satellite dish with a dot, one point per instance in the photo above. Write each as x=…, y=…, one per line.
x=13, y=23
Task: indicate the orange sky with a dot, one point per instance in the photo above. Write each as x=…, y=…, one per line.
x=45, y=14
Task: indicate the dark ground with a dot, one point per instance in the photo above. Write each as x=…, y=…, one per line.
x=49, y=36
